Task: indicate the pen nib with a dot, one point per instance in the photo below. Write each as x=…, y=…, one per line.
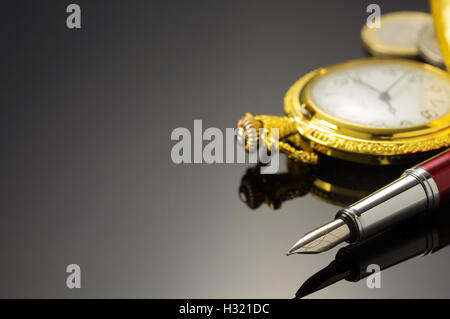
x=322, y=238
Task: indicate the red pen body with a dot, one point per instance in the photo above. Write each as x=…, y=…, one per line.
x=439, y=168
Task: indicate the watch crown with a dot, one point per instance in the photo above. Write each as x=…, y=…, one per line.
x=248, y=132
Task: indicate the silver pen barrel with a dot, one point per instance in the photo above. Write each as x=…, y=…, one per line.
x=414, y=192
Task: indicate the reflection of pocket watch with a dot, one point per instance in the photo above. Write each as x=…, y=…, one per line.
x=375, y=111
x=332, y=180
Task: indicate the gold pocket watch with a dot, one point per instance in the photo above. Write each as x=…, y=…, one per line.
x=376, y=111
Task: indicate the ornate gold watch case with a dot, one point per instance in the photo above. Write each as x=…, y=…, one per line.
x=307, y=127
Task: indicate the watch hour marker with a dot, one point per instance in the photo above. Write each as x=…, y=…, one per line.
x=406, y=123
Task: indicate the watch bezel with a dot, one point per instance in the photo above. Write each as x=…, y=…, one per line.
x=325, y=130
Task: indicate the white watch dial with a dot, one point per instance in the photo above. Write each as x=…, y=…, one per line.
x=385, y=94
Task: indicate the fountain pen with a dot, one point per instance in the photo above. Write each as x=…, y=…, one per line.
x=420, y=188
x=419, y=236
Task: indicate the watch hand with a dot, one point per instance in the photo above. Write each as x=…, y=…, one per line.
x=391, y=108
x=396, y=82
x=385, y=97
x=359, y=81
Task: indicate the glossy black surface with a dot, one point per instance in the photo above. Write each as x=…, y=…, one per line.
x=87, y=176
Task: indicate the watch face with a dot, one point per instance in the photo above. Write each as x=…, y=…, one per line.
x=384, y=95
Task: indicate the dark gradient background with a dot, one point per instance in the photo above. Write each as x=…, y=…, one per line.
x=86, y=173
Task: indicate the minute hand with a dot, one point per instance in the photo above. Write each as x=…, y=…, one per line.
x=395, y=82
x=384, y=96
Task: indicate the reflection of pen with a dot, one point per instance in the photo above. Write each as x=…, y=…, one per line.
x=421, y=188
x=388, y=249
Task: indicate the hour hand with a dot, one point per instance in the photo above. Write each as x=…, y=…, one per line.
x=361, y=82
